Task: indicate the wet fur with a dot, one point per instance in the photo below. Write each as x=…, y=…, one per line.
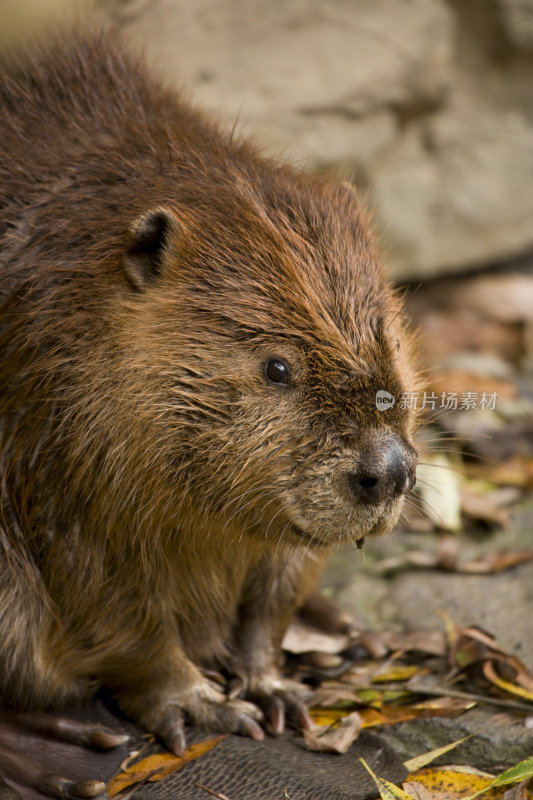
x=150, y=476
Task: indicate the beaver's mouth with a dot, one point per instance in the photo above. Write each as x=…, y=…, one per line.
x=317, y=541
x=309, y=538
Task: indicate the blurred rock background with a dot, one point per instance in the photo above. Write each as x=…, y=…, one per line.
x=427, y=105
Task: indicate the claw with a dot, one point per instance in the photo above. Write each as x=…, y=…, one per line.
x=172, y=732
x=86, y=789
x=178, y=744
x=71, y=730
x=250, y=727
x=236, y=689
x=106, y=739
x=277, y=716
x=305, y=719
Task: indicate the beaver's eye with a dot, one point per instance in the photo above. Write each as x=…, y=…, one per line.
x=277, y=371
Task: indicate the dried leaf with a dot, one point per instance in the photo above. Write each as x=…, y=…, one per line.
x=420, y=792
x=519, y=792
x=302, y=638
x=482, y=507
x=495, y=562
x=426, y=758
x=158, y=766
x=399, y=672
x=391, y=714
x=423, y=640
x=515, y=471
x=447, y=332
x=464, y=380
x=516, y=774
x=335, y=738
x=507, y=297
x=412, y=558
x=333, y=695
x=451, y=783
x=507, y=686
x=387, y=790
x=445, y=557
x=438, y=485
x=323, y=660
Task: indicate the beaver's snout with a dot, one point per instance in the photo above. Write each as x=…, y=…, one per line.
x=385, y=471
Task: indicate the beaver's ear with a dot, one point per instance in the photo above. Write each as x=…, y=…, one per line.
x=149, y=240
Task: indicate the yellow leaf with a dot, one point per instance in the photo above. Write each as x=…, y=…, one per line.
x=426, y=758
x=507, y=686
x=390, y=714
x=399, y=673
x=327, y=716
x=515, y=774
x=387, y=790
x=456, y=783
x=158, y=766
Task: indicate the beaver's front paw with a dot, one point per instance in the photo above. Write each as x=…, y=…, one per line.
x=278, y=698
x=201, y=704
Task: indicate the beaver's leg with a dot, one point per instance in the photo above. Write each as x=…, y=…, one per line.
x=162, y=689
x=273, y=592
x=39, y=751
x=37, y=754
x=322, y=613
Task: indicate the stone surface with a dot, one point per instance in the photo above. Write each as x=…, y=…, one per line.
x=425, y=104
x=500, y=603
x=517, y=18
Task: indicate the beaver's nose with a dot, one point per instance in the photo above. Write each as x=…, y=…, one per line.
x=388, y=473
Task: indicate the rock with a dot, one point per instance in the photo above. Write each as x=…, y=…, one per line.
x=425, y=105
x=517, y=18
x=456, y=189
x=501, y=603
x=309, y=58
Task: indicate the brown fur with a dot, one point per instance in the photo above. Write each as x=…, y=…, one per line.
x=162, y=505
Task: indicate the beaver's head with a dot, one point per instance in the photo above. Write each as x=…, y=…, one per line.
x=277, y=358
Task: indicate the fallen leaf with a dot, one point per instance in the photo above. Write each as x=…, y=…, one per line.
x=445, y=557
x=324, y=661
x=420, y=792
x=514, y=471
x=490, y=673
x=426, y=758
x=331, y=695
x=447, y=332
x=482, y=507
x=303, y=638
x=158, y=766
x=387, y=790
x=462, y=381
x=519, y=792
x=451, y=783
x=507, y=297
x=373, y=643
x=337, y=737
x=391, y=714
x=516, y=774
x=438, y=486
x=495, y=562
x=422, y=640
x=398, y=672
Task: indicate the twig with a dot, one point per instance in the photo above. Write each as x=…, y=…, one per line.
x=478, y=698
x=212, y=792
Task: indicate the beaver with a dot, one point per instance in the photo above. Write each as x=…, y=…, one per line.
x=193, y=337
